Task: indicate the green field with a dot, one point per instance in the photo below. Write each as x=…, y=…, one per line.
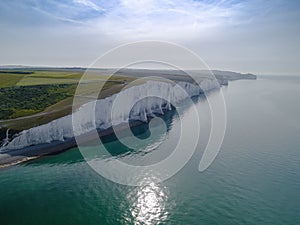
x=18, y=101
x=31, y=97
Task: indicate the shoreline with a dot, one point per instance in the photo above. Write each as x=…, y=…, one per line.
x=15, y=157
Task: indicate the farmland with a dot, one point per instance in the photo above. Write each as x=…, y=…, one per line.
x=33, y=97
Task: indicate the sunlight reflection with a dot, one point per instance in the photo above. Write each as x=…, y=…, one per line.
x=148, y=203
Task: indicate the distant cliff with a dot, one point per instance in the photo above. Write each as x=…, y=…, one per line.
x=230, y=76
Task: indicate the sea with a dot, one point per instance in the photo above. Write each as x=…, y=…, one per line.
x=255, y=178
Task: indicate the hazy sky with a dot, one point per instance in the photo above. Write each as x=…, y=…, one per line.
x=257, y=36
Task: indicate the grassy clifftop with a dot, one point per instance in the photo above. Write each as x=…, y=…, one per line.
x=33, y=97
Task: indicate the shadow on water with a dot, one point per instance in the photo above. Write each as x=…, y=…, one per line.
x=140, y=131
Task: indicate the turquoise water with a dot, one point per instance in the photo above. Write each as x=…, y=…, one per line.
x=254, y=179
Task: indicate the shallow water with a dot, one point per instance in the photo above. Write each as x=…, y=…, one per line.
x=254, y=179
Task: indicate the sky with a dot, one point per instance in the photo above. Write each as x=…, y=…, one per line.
x=255, y=36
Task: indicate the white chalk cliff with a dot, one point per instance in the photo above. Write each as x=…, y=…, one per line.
x=62, y=129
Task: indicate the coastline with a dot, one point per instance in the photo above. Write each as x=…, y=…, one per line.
x=15, y=157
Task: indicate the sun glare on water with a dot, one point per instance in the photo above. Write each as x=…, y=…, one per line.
x=148, y=204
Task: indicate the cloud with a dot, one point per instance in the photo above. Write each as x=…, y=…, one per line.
x=137, y=19
x=231, y=34
x=89, y=4
x=131, y=19
x=134, y=19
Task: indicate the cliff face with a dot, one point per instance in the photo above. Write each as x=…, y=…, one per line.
x=162, y=96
